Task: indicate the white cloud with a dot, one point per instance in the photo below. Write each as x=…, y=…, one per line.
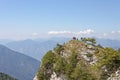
x=87, y=31
x=59, y=32
x=119, y=31
x=115, y=32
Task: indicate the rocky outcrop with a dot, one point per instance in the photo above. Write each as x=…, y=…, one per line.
x=35, y=78
x=79, y=60
x=115, y=76
x=55, y=77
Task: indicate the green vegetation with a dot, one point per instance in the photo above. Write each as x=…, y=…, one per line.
x=119, y=50
x=6, y=77
x=47, y=64
x=60, y=65
x=89, y=40
x=110, y=60
x=67, y=60
x=58, y=48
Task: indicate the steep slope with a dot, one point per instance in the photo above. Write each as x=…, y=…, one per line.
x=80, y=60
x=6, y=77
x=17, y=65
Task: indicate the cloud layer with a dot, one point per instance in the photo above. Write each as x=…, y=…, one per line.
x=115, y=32
x=87, y=31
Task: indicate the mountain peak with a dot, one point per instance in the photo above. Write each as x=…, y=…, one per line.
x=79, y=60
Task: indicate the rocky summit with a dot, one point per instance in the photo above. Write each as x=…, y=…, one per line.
x=82, y=59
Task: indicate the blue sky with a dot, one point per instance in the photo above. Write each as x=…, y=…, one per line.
x=21, y=19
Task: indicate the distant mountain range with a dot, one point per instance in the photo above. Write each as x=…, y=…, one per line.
x=35, y=48
x=18, y=65
x=38, y=47
x=109, y=43
x=5, y=41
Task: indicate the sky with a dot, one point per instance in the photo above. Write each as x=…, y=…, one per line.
x=22, y=19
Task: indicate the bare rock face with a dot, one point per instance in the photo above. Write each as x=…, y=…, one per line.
x=55, y=77
x=35, y=78
x=115, y=76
